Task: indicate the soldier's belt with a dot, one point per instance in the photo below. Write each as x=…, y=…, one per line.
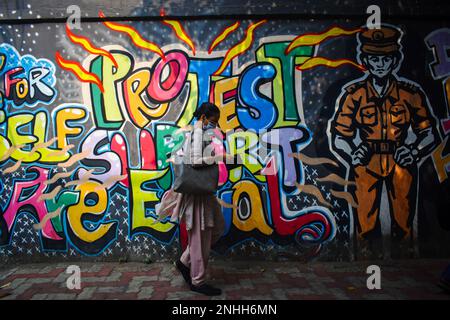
x=382, y=147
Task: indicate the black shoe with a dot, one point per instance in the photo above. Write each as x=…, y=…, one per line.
x=206, y=289
x=185, y=271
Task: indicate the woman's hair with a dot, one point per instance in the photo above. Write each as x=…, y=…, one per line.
x=208, y=109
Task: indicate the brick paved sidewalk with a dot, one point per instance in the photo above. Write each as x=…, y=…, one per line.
x=412, y=279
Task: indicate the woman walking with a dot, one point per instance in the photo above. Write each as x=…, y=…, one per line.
x=201, y=212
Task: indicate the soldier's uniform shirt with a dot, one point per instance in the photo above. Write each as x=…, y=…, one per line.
x=385, y=119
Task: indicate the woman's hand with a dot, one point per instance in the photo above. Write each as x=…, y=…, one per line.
x=199, y=123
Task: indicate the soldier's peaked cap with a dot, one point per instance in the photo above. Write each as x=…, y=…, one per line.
x=385, y=40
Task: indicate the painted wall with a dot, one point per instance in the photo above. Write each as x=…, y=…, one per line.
x=89, y=116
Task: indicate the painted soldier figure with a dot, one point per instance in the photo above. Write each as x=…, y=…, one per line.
x=382, y=127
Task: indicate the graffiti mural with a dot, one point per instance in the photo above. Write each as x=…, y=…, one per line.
x=88, y=127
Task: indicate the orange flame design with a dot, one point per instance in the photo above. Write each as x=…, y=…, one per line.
x=320, y=61
x=239, y=48
x=134, y=36
x=88, y=46
x=222, y=36
x=312, y=39
x=180, y=33
x=78, y=71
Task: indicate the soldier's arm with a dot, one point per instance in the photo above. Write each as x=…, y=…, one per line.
x=344, y=147
x=343, y=129
x=426, y=142
x=423, y=125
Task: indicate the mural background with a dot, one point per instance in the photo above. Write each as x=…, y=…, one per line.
x=109, y=233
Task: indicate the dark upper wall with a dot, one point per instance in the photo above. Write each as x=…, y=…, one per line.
x=51, y=9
